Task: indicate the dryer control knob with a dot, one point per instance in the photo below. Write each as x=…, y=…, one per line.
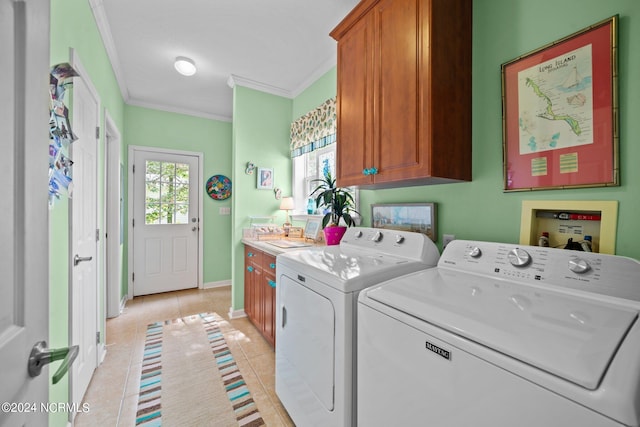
x=377, y=237
x=578, y=265
x=358, y=234
x=399, y=239
x=519, y=257
x=475, y=252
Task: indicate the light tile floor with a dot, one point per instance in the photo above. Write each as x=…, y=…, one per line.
x=113, y=391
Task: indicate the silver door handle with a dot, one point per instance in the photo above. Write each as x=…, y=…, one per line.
x=78, y=259
x=41, y=356
x=194, y=228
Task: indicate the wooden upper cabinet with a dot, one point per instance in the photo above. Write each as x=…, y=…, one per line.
x=404, y=93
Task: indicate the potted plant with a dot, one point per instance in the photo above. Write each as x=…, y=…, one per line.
x=340, y=205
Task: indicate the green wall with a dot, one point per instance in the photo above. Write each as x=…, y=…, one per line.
x=73, y=26
x=261, y=128
x=318, y=92
x=503, y=30
x=146, y=127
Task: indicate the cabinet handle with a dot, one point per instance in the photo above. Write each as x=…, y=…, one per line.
x=272, y=265
x=250, y=269
x=272, y=283
x=370, y=171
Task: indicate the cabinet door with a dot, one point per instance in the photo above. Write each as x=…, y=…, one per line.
x=258, y=311
x=248, y=282
x=398, y=148
x=269, y=299
x=354, y=105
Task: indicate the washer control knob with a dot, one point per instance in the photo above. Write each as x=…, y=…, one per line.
x=475, y=252
x=519, y=257
x=399, y=239
x=377, y=237
x=578, y=265
x=358, y=234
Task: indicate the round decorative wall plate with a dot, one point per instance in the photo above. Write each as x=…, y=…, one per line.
x=219, y=187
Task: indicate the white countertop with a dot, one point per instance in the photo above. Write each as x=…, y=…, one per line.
x=273, y=246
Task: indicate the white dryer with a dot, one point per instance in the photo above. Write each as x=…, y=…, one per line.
x=500, y=335
x=316, y=300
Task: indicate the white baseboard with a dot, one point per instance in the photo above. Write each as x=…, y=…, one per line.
x=102, y=353
x=236, y=314
x=218, y=284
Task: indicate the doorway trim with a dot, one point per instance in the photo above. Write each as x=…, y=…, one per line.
x=114, y=197
x=77, y=64
x=130, y=250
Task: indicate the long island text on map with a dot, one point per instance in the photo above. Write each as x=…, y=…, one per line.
x=555, y=103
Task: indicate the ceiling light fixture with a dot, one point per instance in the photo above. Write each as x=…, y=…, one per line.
x=185, y=66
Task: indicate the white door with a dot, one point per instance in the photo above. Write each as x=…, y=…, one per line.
x=165, y=222
x=84, y=233
x=24, y=243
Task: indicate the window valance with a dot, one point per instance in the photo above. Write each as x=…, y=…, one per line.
x=315, y=129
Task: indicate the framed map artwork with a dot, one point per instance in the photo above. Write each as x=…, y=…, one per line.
x=560, y=113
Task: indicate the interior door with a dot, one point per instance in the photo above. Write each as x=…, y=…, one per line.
x=84, y=234
x=165, y=222
x=24, y=243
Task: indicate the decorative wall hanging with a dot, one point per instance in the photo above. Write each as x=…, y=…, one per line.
x=277, y=192
x=265, y=179
x=416, y=217
x=560, y=113
x=250, y=168
x=60, y=133
x=218, y=187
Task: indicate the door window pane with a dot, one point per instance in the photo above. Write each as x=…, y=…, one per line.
x=166, y=192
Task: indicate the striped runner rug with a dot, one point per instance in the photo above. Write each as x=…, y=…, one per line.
x=189, y=377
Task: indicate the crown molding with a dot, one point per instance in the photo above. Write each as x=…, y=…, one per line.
x=97, y=8
x=322, y=69
x=234, y=80
x=178, y=110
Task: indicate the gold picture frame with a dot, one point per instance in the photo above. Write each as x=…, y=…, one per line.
x=560, y=113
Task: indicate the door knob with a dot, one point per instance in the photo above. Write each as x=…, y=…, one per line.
x=78, y=259
x=40, y=356
x=194, y=228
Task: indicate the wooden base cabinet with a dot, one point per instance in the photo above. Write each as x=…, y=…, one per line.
x=404, y=93
x=259, y=291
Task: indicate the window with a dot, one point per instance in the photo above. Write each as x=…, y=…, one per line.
x=308, y=167
x=166, y=192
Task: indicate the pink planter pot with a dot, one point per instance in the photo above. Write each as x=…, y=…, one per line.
x=333, y=234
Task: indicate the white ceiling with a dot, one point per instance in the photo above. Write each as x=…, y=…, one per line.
x=276, y=46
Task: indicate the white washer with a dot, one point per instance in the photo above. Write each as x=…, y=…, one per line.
x=316, y=300
x=502, y=335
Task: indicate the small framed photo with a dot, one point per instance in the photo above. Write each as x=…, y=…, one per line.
x=312, y=228
x=416, y=217
x=265, y=179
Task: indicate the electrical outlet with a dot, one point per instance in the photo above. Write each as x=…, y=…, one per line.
x=446, y=239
